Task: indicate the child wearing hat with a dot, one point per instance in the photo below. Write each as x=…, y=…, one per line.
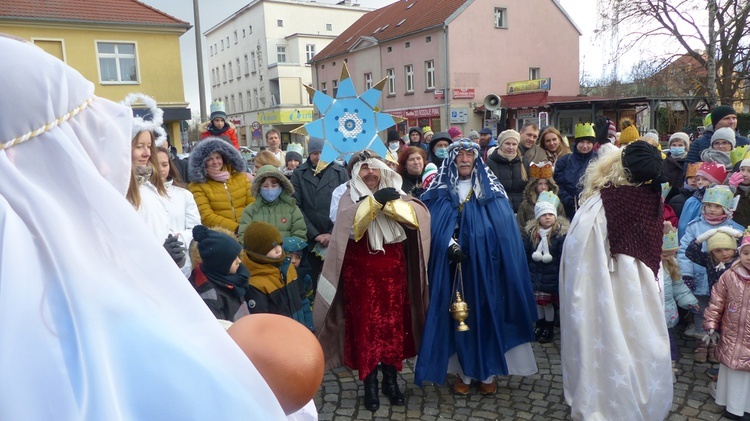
x=675, y=291
x=294, y=248
x=220, y=278
x=543, y=239
x=293, y=160
x=274, y=287
x=741, y=182
x=710, y=173
x=716, y=212
x=540, y=179
x=218, y=126
x=674, y=164
x=677, y=202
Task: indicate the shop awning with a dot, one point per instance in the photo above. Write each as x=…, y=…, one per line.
x=524, y=100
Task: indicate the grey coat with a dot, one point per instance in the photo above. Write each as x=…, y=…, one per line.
x=313, y=195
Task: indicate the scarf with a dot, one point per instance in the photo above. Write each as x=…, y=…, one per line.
x=382, y=228
x=542, y=253
x=143, y=174
x=715, y=220
x=235, y=282
x=216, y=132
x=635, y=218
x=221, y=175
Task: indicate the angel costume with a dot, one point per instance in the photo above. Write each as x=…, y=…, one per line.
x=99, y=323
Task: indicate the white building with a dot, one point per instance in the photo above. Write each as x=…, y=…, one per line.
x=258, y=59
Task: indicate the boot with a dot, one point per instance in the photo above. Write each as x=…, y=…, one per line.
x=548, y=332
x=538, y=326
x=372, y=401
x=390, y=386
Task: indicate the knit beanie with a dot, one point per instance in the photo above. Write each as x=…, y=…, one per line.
x=629, y=132
x=642, y=161
x=293, y=245
x=720, y=112
x=507, y=134
x=438, y=137
x=611, y=130
x=745, y=163
x=679, y=136
x=745, y=242
x=217, y=250
x=454, y=132
x=427, y=130
x=290, y=155
x=547, y=202
x=474, y=135
x=721, y=240
x=260, y=238
x=315, y=144
x=724, y=133
x=393, y=136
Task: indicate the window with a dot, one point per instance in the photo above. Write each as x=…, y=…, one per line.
x=329, y=27
x=231, y=75
x=222, y=45
x=389, y=49
x=227, y=42
x=323, y=88
x=501, y=18
x=391, y=74
x=407, y=44
x=243, y=33
x=236, y=39
x=280, y=23
x=429, y=74
x=247, y=65
x=239, y=102
x=252, y=62
x=281, y=54
x=255, y=96
x=250, y=30
x=117, y=62
x=309, y=52
x=368, y=81
x=427, y=39
x=226, y=101
x=335, y=86
x=211, y=50
x=535, y=73
x=249, y=100
x=213, y=80
x=409, y=72
x=239, y=73
x=232, y=105
x=224, y=71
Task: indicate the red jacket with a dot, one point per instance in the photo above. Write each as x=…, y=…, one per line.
x=229, y=134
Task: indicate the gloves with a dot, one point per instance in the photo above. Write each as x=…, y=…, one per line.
x=690, y=282
x=601, y=128
x=176, y=249
x=385, y=195
x=417, y=191
x=706, y=235
x=735, y=179
x=711, y=337
x=731, y=231
x=455, y=254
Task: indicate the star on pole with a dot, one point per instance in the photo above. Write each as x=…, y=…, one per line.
x=349, y=123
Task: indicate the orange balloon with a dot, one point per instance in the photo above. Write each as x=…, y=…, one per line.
x=286, y=354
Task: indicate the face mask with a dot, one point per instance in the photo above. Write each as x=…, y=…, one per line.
x=393, y=146
x=441, y=152
x=269, y=195
x=677, y=151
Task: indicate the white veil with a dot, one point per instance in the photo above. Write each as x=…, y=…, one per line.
x=97, y=321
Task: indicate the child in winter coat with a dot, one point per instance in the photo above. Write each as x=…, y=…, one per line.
x=540, y=179
x=741, y=182
x=294, y=249
x=543, y=240
x=677, y=202
x=710, y=173
x=219, y=126
x=716, y=212
x=220, y=278
x=274, y=287
x=729, y=312
x=675, y=291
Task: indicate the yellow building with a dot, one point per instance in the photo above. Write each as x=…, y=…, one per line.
x=122, y=46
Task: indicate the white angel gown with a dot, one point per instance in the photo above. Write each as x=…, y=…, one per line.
x=615, y=348
x=98, y=322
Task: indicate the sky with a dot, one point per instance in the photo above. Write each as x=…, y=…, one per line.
x=583, y=13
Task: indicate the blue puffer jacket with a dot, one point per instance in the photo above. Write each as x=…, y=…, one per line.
x=676, y=293
x=687, y=267
x=690, y=211
x=568, y=172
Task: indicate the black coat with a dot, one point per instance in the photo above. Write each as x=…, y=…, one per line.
x=675, y=174
x=568, y=172
x=313, y=195
x=545, y=277
x=678, y=201
x=510, y=175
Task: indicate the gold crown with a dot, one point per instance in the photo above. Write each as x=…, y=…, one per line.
x=692, y=169
x=585, y=131
x=541, y=170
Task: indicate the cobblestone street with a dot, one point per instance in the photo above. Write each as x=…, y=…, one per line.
x=538, y=397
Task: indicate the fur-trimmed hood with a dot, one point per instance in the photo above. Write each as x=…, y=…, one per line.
x=197, y=163
x=270, y=171
x=561, y=227
x=530, y=194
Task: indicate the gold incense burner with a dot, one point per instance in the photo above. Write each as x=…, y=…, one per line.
x=460, y=311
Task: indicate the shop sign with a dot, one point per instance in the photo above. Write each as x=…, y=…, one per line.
x=422, y=112
x=526, y=114
x=439, y=94
x=463, y=93
x=459, y=115
x=529, y=85
x=286, y=116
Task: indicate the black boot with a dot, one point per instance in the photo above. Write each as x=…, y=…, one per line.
x=538, y=326
x=548, y=332
x=390, y=386
x=372, y=401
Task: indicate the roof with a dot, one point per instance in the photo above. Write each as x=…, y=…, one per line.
x=129, y=12
x=395, y=20
x=525, y=100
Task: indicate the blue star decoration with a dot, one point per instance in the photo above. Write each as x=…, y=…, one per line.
x=348, y=123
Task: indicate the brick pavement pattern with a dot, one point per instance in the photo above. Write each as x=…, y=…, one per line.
x=537, y=397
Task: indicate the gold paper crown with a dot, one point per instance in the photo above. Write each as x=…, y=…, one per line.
x=585, y=131
x=541, y=170
x=692, y=169
x=671, y=242
x=738, y=154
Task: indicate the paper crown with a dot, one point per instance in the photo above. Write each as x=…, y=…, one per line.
x=391, y=157
x=548, y=196
x=692, y=169
x=295, y=147
x=713, y=171
x=671, y=241
x=720, y=195
x=738, y=154
x=218, y=106
x=542, y=169
x=665, y=188
x=430, y=171
x=585, y=131
x=157, y=117
x=547, y=202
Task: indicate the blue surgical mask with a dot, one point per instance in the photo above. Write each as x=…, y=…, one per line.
x=441, y=152
x=677, y=151
x=393, y=146
x=269, y=195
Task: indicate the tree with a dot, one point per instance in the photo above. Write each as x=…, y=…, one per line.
x=717, y=27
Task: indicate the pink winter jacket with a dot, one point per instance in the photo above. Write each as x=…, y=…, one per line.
x=728, y=312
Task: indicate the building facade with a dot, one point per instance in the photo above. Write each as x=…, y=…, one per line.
x=122, y=46
x=442, y=58
x=258, y=62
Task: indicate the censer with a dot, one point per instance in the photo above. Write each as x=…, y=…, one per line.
x=459, y=309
